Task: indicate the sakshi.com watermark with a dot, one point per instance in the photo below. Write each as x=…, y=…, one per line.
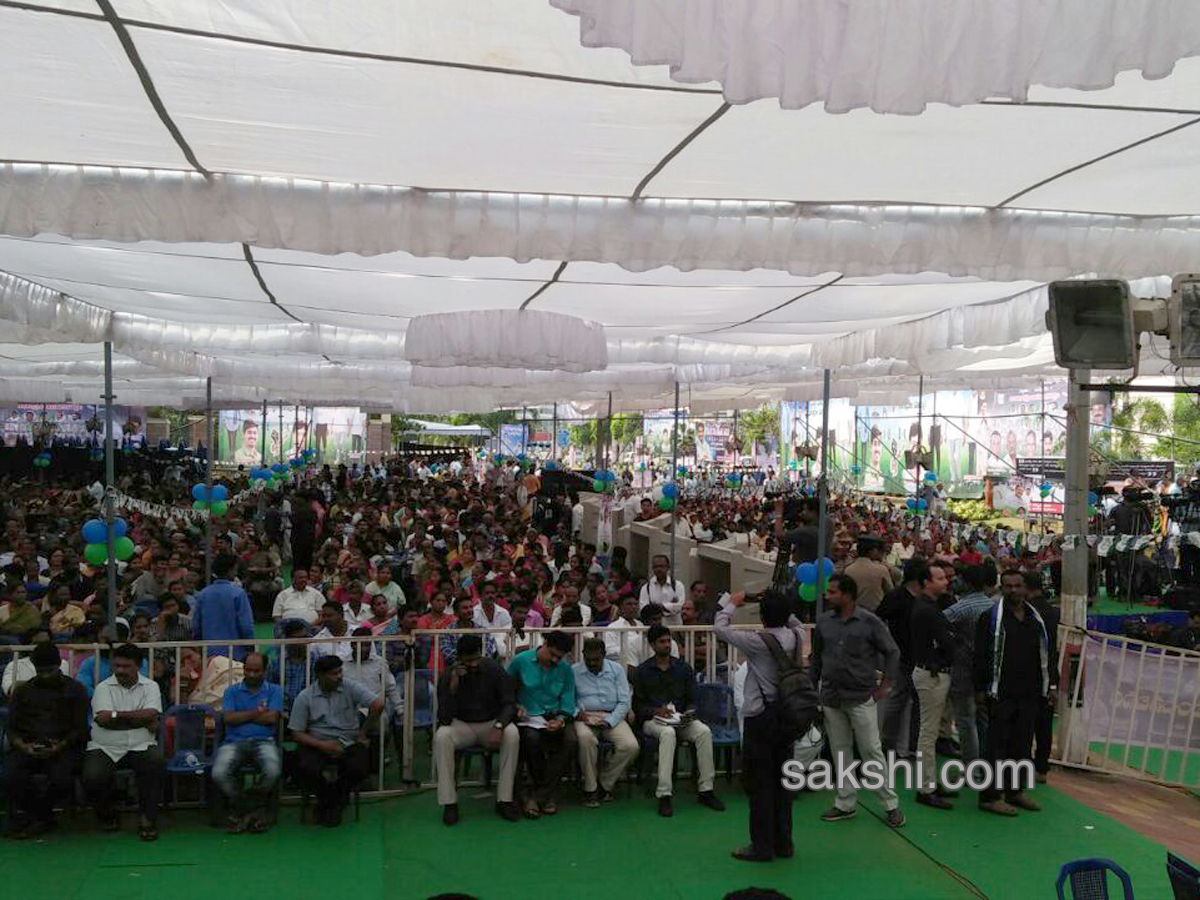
x=901, y=773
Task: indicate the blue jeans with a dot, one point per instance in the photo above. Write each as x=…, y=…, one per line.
x=965, y=720
x=232, y=755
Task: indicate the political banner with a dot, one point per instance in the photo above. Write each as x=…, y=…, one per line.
x=72, y=422
x=1136, y=694
x=338, y=434
x=512, y=439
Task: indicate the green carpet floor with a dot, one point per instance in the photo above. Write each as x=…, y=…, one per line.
x=401, y=851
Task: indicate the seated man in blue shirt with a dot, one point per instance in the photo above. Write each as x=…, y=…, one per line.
x=602, y=695
x=545, y=707
x=251, y=712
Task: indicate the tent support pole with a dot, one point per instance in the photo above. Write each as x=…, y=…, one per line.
x=1075, y=522
x=263, y=435
x=554, y=436
x=280, y=431
x=208, y=479
x=920, y=437
x=674, y=475
x=110, y=481
x=823, y=496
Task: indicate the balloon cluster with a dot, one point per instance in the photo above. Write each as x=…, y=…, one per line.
x=1092, y=501
x=681, y=471
x=42, y=460
x=95, y=533
x=931, y=477
x=733, y=479
x=917, y=505
x=605, y=481
x=855, y=469
x=642, y=466
x=809, y=574
x=1045, y=488
x=214, y=503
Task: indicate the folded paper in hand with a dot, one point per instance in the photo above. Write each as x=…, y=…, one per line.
x=673, y=719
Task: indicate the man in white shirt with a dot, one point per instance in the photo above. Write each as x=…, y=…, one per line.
x=666, y=592
x=568, y=596
x=300, y=601
x=385, y=587
x=630, y=648
x=371, y=671
x=334, y=625
x=487, y=614
x=125, y=712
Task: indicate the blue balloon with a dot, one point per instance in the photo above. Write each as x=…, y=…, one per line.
x=120, y=528
x=910, y=503
x=279, y=468
x=220, y=492
x=807, y=573
x=95, y=532
x=670, y=491
x=200, y=492
x=922, y=503
x=1046, y=486
x=931, y=476
x=1092, y=498
x=826, y=567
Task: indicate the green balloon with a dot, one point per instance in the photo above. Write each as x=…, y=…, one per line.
x=666, y=504
x=808, y=593
x=219, y=507
x=199, y=505
x=96, y=554
x=598, y=486
x=123, y=548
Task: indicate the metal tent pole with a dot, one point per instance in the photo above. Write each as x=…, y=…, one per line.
x=1075, y=522
x=807, y=434
x=280, y=431
x=920, y=435
x=1042, y=456
x=208, y=480
x=608, y=433
x=110, y=481
x=674, y=474
x=823, y=497
x=554, y=436
x=263, y=435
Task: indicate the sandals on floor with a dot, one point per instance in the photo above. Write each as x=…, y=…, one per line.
x=530, y=810
x=549, y=809
x=147, y=833
x=258, y=826
x=236, y=825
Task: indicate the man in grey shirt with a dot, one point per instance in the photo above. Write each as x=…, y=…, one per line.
x=849, y=646
x=766, y=745
x=324, y=723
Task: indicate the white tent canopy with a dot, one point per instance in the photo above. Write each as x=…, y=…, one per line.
x=441, y=429
x=269, y=196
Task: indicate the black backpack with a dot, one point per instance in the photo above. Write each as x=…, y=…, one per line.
x=796, y=697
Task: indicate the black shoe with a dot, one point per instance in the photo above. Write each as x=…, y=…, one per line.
x=785, y=852
x=507, y=811
x=947, y=747
x=895, y=818
x=749, y=854
x=711, y=800
x=833, y=814
x=945, y=792
x=450, y=814
x=665, y=807
x=934, y=800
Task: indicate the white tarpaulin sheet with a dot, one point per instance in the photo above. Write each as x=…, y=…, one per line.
x=268, y=194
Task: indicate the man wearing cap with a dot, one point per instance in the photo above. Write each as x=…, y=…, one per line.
x=874, y=579
x=47, y=723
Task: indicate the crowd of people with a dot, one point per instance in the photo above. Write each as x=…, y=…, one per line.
x=953, y=638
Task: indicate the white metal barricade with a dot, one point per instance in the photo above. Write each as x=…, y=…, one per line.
x=1128, y=707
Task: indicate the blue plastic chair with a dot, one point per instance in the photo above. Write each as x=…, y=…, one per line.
x=715, y=708
x=1185, y=878
x=1089, y=879
x=190, y=746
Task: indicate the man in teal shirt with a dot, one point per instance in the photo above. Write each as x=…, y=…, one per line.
x=545, y=707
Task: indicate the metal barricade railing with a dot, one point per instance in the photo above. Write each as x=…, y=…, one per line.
x=1128, y=707
x=708, y=665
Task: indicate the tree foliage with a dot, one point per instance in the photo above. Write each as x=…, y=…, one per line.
x=758, y=424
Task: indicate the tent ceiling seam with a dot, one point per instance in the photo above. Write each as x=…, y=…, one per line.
x=363, y=54
x=545, y=287
x=775, y=308
x=1105, y=107
x=1083, y=165
x=262, y=284
x=139, y=67
x=677, y=149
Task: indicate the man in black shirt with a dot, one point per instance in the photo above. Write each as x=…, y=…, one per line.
x=933, y=658
x=898, y=713
x=476, y=706
x=664, y=703
x=1016, y=673
x=47, y=723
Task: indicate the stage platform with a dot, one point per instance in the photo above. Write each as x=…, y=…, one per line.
x=401, y=851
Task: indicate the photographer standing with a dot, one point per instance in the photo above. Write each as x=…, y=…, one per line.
x=1131, y=516
x=766, y=743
